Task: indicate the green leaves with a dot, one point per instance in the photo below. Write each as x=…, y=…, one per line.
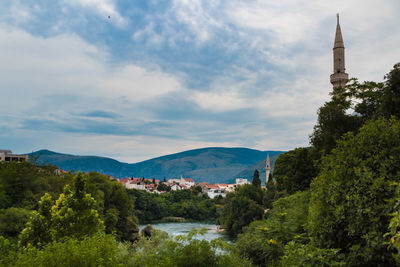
x=74, y=214
x=241, y=208
x=294, y=170
x=351, y=197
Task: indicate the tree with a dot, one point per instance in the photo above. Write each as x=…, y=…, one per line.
x=37, y=231
x=295, y=169
x=74, y=214
x=256, y=179
x=332, y=123
x=163, y=187
x=391, y=93
x=241, y=208
x=263, y=241
x=115, y=206
x=353, y=195
x=13, y=221
x=349, y=108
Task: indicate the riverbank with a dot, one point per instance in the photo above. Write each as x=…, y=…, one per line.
x=183, y=228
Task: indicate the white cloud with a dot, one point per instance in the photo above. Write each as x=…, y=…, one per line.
x=34, y=67
x=273, y=58
x=104, y=8
x=219, y=101
x=198, y=16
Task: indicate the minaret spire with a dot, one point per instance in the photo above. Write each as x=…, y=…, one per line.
x=339, y=77
x=267, y=170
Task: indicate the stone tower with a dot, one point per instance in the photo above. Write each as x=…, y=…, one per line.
x=339, y=77
x=267, y=170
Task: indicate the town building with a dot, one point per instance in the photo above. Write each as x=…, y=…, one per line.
x=187, y=182
x=7, y=156
x=214, y=191
x=242, y=181
x=339, y=77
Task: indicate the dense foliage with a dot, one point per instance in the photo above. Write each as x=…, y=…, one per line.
x=294, y=170
x=352, y=216
x=241, y=208
x=263, y=241
x=74, y=214
x=353, y=195
x=25, y=187
x=188, y=204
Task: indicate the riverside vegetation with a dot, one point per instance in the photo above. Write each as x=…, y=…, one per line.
x=335, y=203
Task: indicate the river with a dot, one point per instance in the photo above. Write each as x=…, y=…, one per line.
x=174, y=229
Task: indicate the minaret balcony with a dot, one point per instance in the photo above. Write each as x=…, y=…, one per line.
x=337, y=77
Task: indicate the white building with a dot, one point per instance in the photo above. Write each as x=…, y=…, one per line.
x=176, y=181
x=241, y=181
x=187, y=182
x=132, y=185
x=175, y=187
x=214, y=191
x=6, y=155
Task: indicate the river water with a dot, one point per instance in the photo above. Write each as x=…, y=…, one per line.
x=174, y=229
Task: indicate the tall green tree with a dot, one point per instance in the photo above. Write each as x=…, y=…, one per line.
x=294, y=170
x=333, y=122
x=256, y=179
x=76, y=212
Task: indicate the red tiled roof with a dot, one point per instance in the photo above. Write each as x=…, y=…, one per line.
x=151, y=180
x=188, y=180
x=206, y=183
x=124, y=180
x=213, y=186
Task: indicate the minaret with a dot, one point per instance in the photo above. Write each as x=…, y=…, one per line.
x=267, y=170
x=339, y=77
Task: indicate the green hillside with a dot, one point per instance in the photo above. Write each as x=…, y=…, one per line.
x=213, y=164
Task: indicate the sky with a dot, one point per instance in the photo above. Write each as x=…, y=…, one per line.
x=133, y=80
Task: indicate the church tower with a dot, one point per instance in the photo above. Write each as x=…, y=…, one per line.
x=339, y=77
x=267, y=170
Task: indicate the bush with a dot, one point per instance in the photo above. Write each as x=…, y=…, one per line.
x=298, y=254
x=97, y=250
x=263, y=241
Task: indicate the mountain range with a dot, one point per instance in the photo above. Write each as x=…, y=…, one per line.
x=213, y=164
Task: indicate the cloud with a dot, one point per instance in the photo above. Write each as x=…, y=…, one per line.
x=180, y=72
x=105, y=8
x=100, y=114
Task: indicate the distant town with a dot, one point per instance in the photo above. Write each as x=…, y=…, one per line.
x=159, y=187
x=154, y=185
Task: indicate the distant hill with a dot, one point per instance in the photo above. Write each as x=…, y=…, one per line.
x=214, y=164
